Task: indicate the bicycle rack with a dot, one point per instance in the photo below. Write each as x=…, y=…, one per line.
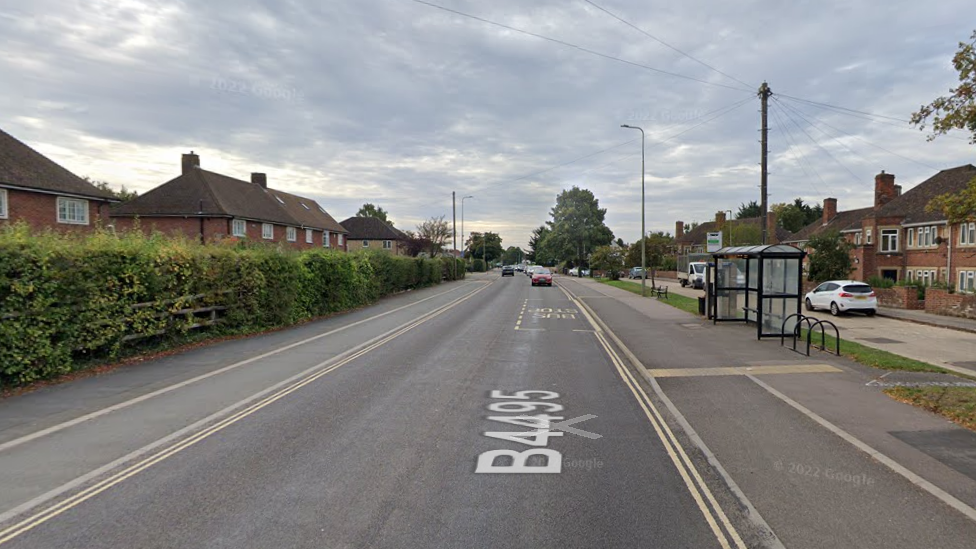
x=823, y=337
x=811, y=324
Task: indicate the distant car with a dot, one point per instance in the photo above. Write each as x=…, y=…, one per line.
x=520, y=268
x=586, y=272
x=530, y=269
x=508, y=270
x=637, y=272
x=573, y=272
x=841, y=296
x=541, y=277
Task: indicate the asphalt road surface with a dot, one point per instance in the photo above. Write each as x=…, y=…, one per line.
x=481, y=413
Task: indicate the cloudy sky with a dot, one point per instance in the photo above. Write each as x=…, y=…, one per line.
x=399, y=103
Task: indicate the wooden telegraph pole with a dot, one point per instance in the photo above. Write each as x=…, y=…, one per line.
x=764, y=93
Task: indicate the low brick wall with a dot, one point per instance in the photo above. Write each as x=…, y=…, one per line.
x=941, y=302
x=665, y=274
x=808, y=286
x=900, y=297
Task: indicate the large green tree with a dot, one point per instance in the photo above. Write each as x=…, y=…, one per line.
x=372, y=210
x=752, y=209
x=956, y=111
x=796, y=215
x=830, y=258
x=609, y=259
x=486, y=246
x=577, y=225
x=512, y=255
x=434, y=232
x=658, y=246
x=538, y=252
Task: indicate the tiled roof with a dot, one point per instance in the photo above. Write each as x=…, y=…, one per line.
x=22, y=166
x=307, y=211
x=370, y=228
x=850, y=219
x=911, y=205
x=699, y=234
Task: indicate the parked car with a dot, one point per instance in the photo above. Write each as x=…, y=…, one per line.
x=541, y=276
x=637, y=272
x=841, y=296
x=508, y=270
x=573, y=272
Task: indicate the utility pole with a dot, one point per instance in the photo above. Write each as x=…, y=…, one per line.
x=764, y=93
x=454, y=210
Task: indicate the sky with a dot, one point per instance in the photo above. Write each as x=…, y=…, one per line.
x=399, y=103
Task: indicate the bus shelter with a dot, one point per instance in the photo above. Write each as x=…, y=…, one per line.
x=759, y=285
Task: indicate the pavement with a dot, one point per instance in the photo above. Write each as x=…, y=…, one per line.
x=404, y=425
x=944, y=341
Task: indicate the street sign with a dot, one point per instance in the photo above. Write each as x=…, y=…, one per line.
x=713, y=242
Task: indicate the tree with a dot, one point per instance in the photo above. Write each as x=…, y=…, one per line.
x=658, y=244
x=435, y=231
x=742, y=234
x=577, y=225
x=620, y=243
x=609, y=259
x=958, y=109
x=797, y=215
x=512, y=255
x=539, y=251
x=830, y=258
x=121, y=193
x=956, y=207
x=691, y=226
x=416, y=245
x=371, y=210
x=487, y=246
x=752, y=209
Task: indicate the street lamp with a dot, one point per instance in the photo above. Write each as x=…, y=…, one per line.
x=731, y=241
x=463, y=198
x=643, y=235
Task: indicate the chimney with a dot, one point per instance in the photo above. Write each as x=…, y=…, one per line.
x=897, y=190
x=679, y=229
x=260, y=179
x=884, y=189
x=720, y=220
x=829, y=209
x=771, y=228
x=191, y=162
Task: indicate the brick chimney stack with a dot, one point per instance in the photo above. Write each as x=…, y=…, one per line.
x=260, y=179
x=719, y=220
x=771, y=228
x=829, y=209
x=884, y=189
x=190, y=161
x=679, y=229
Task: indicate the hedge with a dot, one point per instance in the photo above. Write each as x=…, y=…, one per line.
x=66, y=299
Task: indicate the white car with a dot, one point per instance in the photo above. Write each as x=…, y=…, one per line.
x=841, y=296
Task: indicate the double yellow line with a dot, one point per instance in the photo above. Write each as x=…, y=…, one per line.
x=41, y=517
x=689, y=474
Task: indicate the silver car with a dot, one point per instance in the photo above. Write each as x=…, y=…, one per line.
x=841, y=296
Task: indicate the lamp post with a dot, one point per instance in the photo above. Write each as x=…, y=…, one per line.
x=731, y=241
x=463, y=198
x=643, y=235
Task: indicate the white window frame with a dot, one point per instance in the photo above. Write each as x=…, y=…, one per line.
x=910, y=275
x=325, y=240
x=963, y=234
x=911, y=239
x=64, y=202
x=3, y=204
x=267, y=231
x=867, y=237
x=291, y=233
x=309, y=235
x=342, y=239
x=365, y=243
x=971, y=280
x=889, y=244
x=238, y=227
x=928, y=238
x=857, y=238
x=387, y=244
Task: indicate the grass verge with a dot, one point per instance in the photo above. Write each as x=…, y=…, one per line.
x=687, y=304
x=958, y=404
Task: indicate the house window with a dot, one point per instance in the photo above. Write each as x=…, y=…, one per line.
x=867, y=236
x=927, y=239
x=239, y=228
x=325, y=239
x=967, y=281
x=3, y=203
x=73, y=211
x=292, y=234
x=309, y=238
x=342, y=240
x=967, y=234
x=911, y=238
x=365, y=243
x=910, y=275
x=267, y=231
x=889, y=240
x=387, y=244
x=857, y=239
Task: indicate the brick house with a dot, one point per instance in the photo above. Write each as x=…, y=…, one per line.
x=36, y=190
x=693, y=242
x=847, y=223
x=208, y=206
x=898, y=239
x=371, y=233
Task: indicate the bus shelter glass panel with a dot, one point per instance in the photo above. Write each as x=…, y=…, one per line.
x=730, y=291
x=780, y=294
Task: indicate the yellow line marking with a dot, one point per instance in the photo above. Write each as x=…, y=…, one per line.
x=683, y=464
x=43, y=516
x=743, y=370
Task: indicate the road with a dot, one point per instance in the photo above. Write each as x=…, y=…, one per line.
x=393, y=427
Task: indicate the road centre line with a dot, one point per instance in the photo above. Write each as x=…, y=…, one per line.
x=685, y=467
x=122, y=405
x=296, y=382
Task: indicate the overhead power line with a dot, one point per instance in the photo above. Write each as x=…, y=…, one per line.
x=574, y=46
x=665, y=44
x=835, y=107
x=794, y=146
x=821, y=147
